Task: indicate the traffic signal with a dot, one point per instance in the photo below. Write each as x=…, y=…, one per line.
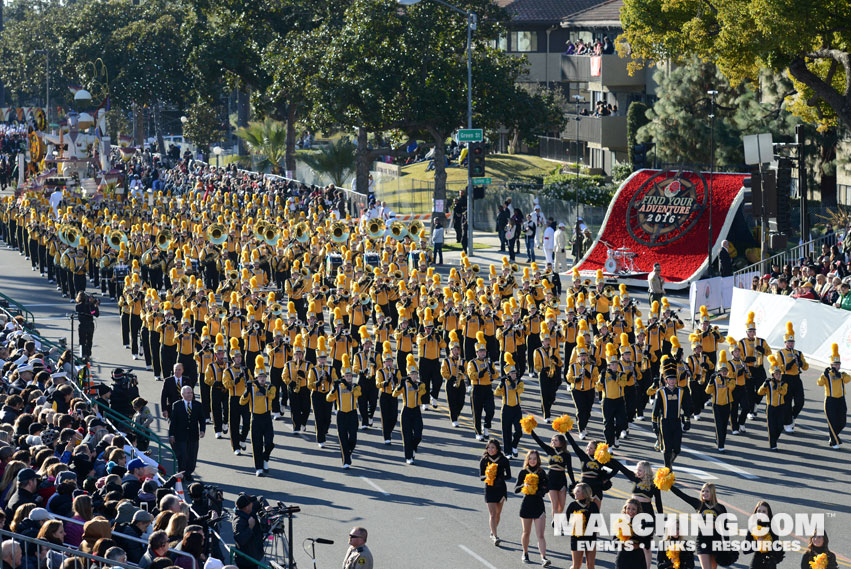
x=639, y=155
x=477, y=159
x=752, y=204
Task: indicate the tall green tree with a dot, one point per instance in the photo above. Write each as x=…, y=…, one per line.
x=334, y=161
x=680, y=123
x=810, y=41
x=267, y=141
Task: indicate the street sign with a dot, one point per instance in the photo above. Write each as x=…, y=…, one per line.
x=470, y=135
x=481, y=181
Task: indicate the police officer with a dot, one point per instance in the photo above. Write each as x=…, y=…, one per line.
x=358, y=556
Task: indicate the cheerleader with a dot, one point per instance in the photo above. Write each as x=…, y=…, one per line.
x=494, y=469
x=835, y=408
x=675, y=554
x=532, y=482
x=635, y=550
x=818, y=546
x=761, y=538
x=559, y=464
x=593, y=473
x=644, y=491
x=707, y=505
x=582, y=545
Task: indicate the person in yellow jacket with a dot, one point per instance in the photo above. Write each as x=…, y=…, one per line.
x=346, y=393
x=721, y=390
x=774, y=390
x=582, y=378
x=320, y=382
x=452, y=370
x=611, y=385
x=482, y=373
x=296, y=372
x=429, y=346
x=754, y=351
x=510, y=388
x=235, y=380
x=835, y=410
x=792, y=363
x=387, y=379
x=412, y=392
x=258, y=399
x=214, y=375
x=547, y=364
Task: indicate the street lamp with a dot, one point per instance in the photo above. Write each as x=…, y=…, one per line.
x=471, y=25
x=712, y=93
x=46, y=83
x=577, y=100
x=217, y=150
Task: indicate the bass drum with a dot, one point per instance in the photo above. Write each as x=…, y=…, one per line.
x=610, y=266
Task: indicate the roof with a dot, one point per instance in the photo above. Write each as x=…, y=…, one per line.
x=545, y=11
x=605, y=13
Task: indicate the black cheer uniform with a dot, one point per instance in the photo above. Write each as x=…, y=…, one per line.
x=498, y=491
x=559, y=464
x=532, y=507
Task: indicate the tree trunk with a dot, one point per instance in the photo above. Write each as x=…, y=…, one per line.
x=289, y=158
x=242, y=112
x=514, y=145
x=362, y=160
x=439, y=168
x=158, y=132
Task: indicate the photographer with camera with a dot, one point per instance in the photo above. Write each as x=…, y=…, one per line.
x=125, y=388
x=87, y=310
x=247, y=531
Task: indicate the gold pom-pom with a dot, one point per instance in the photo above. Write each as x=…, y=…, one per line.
x=819, y=561
x=530, y=484
x=625, y=534
x=490, y=473
x=602, y=454
x=528, y=423
x=674, y=556
x=664, y=479
x=563, y=424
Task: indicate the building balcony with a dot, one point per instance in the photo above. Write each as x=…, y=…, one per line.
x=603, y=132
x=602, y=72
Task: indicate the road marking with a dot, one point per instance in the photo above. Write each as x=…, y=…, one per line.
x=476, y=556
x=722, y=464
x=374, y=485
x=710, y=458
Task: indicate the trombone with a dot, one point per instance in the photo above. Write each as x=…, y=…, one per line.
x=375, y=227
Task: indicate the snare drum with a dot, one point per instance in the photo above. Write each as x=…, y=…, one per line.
x=371, y=259
x=196, y=265
x=120, y=271
x=332, y=263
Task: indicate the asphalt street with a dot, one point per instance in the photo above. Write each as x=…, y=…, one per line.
x=432, y=514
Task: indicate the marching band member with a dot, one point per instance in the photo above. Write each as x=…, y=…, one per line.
x=754, y=351
x=452, y=370
x=387, y=379
x=214, y=379
x=699, y=369
x=510, y=388
x=737, y=371
x=203, y=358
x=835, y=410
x=235, y=380
x=611, y=384
x=295, y=375
x=258, y=399
x=406, y=339
x=671, y=409
x=412, y=392
x=364, y=367
x=429, y=345
x=346, y=393
x=481, y=373
x=792, y=363
x=582, y=377
x=321, y=382
x=721, y=388
x=277, y=354
x=547, y=365
x=710, y=337
x=774, y=389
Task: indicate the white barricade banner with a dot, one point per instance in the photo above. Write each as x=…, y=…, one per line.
x=816, y=325
x=715, y=294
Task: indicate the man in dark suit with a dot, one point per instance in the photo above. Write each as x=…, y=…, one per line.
x=172, y=388
x=185, y=429
x=725, y=261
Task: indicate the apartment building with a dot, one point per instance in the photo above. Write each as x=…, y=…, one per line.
x=543, y=30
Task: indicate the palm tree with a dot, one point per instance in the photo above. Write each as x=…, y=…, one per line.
x=267, y=141
x=335, y=161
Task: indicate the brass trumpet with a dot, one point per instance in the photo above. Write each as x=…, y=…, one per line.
x=398, y=230
x=217, y=234
x=116, y=238
x=375, y=227
x=339, y=232
x=164, y=239
x=415, y=227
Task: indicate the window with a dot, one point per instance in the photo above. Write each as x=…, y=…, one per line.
x=524, y=41
x=501, y=43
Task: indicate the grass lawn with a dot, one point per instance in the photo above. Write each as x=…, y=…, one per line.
x=500, y=167
x=458, y=247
